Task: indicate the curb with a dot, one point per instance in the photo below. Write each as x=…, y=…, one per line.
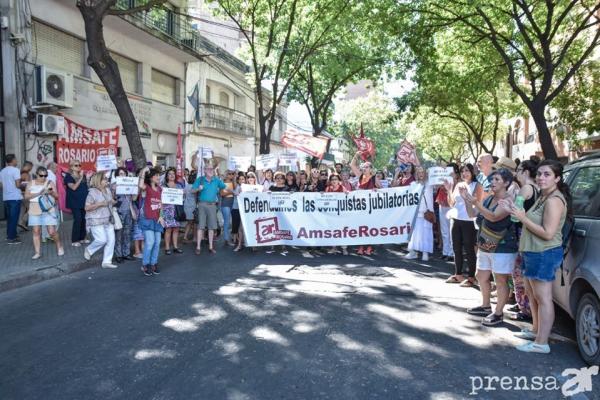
x=16, y=281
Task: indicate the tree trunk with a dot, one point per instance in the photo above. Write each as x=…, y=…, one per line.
x=538, y=114
x=108, y=72
x=265, y=142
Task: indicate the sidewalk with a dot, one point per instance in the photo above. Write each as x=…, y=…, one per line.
x=17, y=269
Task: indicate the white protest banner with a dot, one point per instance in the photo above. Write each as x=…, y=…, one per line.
x=252, y=188
x=287, y=160
x=239, y=163
x=437, y=175
x=266, y=161
x=357, y=218
x=127, y=185
x=106, y=162
x=280, y=199
x=172, y=196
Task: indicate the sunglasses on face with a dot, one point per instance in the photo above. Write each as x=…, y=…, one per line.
x=76, y=165
x=280, y=177
x=42, y=176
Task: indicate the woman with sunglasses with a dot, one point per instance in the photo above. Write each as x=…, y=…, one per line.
x=279, y=186
x=98, y=205
x=151, y=219
x=38, y=218
x=290, y=182
x=366, y=181
x=335, y=186
x=77, y=191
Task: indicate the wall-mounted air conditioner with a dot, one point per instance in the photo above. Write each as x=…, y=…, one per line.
x=49, y=124
x=53, y=87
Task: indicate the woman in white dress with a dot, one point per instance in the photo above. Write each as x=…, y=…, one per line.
x=422, y=235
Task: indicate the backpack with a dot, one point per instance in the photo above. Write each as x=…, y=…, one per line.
x=567, y=234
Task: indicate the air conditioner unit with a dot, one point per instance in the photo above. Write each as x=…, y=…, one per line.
x=53, y=87
x=50, y=124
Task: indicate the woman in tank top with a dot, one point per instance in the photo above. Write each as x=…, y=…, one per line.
x=541, y=249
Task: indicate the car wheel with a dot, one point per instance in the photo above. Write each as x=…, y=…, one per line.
x=588, y=328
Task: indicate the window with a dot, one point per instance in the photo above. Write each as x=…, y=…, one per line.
x=57, y=49
x=585, y=190
x=224, y=99
x=129, y=72
x=207, y=94
x=163, y=87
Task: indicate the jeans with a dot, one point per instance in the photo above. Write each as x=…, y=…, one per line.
x=12, y=209
x=123, y=236
x=78, y=231
x=45, y=234
x=226, y=211
x=104, y=235
x=445, y=231
x=151, y=247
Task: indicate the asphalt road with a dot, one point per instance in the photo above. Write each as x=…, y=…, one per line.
x=258, y=326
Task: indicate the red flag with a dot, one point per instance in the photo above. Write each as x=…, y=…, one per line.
x=365, y=146
x=179, y=161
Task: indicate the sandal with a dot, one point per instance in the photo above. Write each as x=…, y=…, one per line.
x=453, y=279
x=369, y=251
x=36, y=256
x=213, y=251
x=198, y=252
x=467, y=283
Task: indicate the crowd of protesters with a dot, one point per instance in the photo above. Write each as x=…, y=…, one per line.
x=500, y=222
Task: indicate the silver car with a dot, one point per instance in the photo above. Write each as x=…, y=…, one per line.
x=579, y=296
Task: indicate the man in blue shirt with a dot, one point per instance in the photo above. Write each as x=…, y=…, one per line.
x=208, y=188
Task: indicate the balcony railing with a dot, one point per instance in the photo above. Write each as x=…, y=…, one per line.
x=226, y=119
x=177, y=28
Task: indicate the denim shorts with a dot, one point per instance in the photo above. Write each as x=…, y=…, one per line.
x=542, y=266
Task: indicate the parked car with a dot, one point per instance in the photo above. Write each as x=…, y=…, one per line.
x=580, y=295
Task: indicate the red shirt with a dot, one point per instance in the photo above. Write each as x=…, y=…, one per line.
x=442, y=197
x=152, y=203
x=370, y=184
x=339, y=189
x=407, y=181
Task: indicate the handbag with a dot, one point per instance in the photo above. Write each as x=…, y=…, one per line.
x=428, y=215
x=46, y=202
x=114, y=218
x=180, y=213
x=490, y=233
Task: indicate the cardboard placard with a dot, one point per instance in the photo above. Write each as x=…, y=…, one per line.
x=239, y=163
x=281, y=200
x=172, y=196
x=127, y=185
x=437, y=175
x=106, y=162
x=287, y=160
x=266, y=161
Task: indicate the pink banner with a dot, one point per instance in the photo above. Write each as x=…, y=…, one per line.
x=315, y=146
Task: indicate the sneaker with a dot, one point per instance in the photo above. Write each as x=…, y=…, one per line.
x=14, y=241
x=86, y=241
x=36, y=256
x=526, y=334
x=533, y=347
x=86, y=254
x=479, y=310
x=76, y=244
x=146, y=271
x=284, y=253
x=425, y=257
x=155, y=270
x=411, y=255
x=61, y=252
x=109, y=265
x=514, y=308
x=520, y=317
x=138, y=256
x=345, y=252
x=270, y=251
x=492, y=320
x=178, y=250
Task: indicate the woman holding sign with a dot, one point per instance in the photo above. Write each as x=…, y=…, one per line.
x=170, y=215
x=151, y=221
x=126, y=210
x=422, y=235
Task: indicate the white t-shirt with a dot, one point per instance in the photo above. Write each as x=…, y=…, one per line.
x=9, y=175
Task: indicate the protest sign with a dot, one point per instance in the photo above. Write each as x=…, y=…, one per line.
x=437, y=175
x=384, y=183
x=331, y=219
x=315, y=146
x=251, y=188
x=127, y=185
x=280, y=199
x=407, y=153
x=172, y=196
x=106, y=162
x=288, y=160
x=266, y=161
x=239, y=163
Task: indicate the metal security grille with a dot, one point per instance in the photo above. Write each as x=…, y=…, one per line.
x=57, y=49
x=129, y=72
x=163, y=87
